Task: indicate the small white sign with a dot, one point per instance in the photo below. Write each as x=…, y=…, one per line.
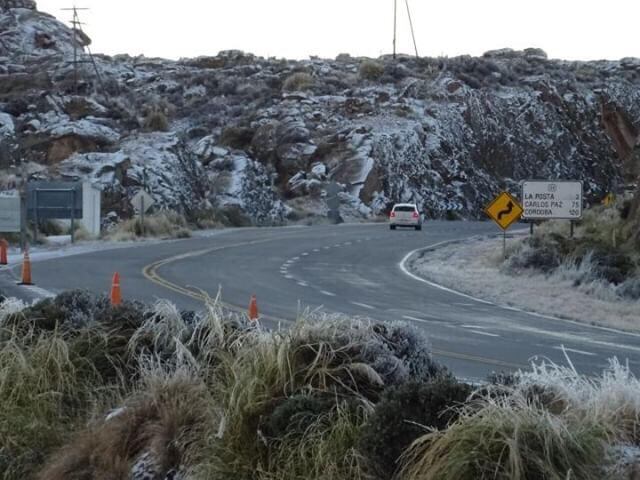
x=552, y=200
x=9, y=214
x=142, y=201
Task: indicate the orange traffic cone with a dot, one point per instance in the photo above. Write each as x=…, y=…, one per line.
x=26, y=269
x=4, y=246
x=253, y=309
x=116, y=294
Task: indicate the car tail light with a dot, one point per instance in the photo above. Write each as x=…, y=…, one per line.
x=392, y=214
x=416, y=215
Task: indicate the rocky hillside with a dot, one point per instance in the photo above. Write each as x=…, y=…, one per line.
x=266, y=136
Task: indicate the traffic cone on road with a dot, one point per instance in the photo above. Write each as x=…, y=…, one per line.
x=253, y=309
x=26, y=269
x=4, y=246
x=116, y=294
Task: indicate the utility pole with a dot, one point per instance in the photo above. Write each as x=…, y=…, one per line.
x=395, y=26
x=413, y=35
x=76, y=25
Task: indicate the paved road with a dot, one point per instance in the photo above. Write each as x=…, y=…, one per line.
x=352, y=269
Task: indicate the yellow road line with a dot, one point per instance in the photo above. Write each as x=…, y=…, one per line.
x=150, y=272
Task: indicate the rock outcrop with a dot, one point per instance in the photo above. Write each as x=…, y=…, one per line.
x=266, y=135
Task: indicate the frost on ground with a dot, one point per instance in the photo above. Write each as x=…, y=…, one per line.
x=474, y=267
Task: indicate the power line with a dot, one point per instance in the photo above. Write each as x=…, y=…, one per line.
x=413, y=35
x=77, y=30
x=395, y=27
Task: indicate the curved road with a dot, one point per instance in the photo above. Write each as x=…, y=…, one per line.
x=351, y=269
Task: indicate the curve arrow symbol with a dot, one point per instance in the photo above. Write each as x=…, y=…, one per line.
x=506, y=211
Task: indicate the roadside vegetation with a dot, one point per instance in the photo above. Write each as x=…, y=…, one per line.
x=592, y=277
x=91, y=391
x=602, y=257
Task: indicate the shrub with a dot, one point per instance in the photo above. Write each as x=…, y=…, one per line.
x=325, y=450
x=296, y=414
x=507, y=438
x=237, y=137
x=404, y=414
x=156, y=121
x=630, y=288
x=297, y=82
x=166, y=224
x=158, y=431
x=70, y=309
x=46, y=391
x=371, y=70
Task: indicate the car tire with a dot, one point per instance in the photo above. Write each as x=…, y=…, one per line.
x=392, y=227
x=418, y=227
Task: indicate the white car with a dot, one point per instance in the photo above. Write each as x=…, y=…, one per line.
x=405, y=215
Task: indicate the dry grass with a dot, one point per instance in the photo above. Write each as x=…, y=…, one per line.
x=165, y=224
x=298, y=81
x=509, y=438
x=166, y=418
x=474, y=267
x=371, y=70
x=208, y=396
x=46, y=391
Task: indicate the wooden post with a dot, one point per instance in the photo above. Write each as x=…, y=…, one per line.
x=395, y=26
x=35, y=215
x=504, y=244
x=73, y=216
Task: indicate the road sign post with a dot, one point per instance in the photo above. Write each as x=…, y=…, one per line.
x=505, y=210
x=142, y=202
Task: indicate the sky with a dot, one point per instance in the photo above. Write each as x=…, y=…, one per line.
x=297, y=29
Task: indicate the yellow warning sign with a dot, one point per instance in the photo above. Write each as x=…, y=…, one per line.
x=504, y=210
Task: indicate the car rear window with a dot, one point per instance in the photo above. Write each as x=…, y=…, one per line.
x=404, y=209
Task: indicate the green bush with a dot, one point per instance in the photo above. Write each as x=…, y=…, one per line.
x=296, y=414
x=404, y=414
x=371, y=70
x=325, y=450
x=297, y=82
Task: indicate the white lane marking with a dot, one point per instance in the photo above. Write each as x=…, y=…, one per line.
x=289, y=277
x=328, y=294
x=573, y=350
x=305, y=254
x=337, y=245
x=486, y=334
x=327, y=248
x=405, y=270
x=294, y=259
x=415, y=319
x=464, y=304
x=477, y=327
x=346, y=244
x=303, y=284
x=363, y=305
x=316, y=250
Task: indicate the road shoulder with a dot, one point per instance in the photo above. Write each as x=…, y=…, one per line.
x=473, y=267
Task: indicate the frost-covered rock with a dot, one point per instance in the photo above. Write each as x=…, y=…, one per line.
x=220, y=130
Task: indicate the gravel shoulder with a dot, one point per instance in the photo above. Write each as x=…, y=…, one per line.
x=474, y=267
